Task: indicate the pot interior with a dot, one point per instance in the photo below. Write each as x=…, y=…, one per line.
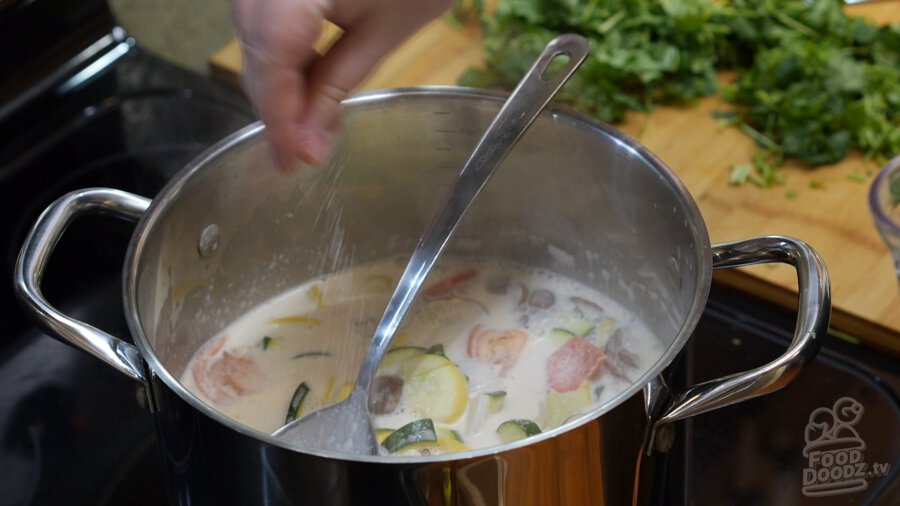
x=574, y=197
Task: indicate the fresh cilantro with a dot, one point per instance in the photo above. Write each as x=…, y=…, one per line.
x=810, y=83
x=857, y=176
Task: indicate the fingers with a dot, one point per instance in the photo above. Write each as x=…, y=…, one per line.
x=296, y=93
x=367, y=39
x=332, y=78
x=277, y=39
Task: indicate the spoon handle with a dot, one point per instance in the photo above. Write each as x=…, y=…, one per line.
x=524, y=104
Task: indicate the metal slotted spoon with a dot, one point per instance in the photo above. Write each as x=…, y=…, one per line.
x=346, y=427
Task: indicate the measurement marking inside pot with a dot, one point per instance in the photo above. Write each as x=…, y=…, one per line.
x=442, y=112
x=444, y=131
x=442, y=149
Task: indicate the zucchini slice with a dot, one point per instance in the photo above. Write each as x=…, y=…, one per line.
x=562, y=405
x=296, y=405
x=496, y=400
x=435, y=388
x=514, y=430
x=418, y=431
x=398, y=361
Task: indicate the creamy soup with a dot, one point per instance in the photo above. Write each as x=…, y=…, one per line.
x=490, y=353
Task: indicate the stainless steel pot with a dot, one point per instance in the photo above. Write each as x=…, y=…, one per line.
x=575, y=196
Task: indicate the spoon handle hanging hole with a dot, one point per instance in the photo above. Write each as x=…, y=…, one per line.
x=556, y=64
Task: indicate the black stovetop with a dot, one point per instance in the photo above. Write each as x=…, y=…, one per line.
x=72, y=430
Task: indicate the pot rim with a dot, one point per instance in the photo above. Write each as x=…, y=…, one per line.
x=255, y=130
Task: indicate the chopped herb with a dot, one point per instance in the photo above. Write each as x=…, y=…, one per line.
x=740, y=173
x=857, y=176
x=811, y=83
x=791, y=194
x=817, y=184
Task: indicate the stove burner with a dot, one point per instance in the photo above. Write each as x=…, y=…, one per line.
x=71, y=430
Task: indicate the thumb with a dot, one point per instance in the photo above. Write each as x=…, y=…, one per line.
x=336, y=74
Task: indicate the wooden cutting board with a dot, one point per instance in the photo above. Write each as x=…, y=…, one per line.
x=827, y=208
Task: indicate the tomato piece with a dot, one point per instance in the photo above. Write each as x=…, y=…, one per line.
x=448, y=284
x=572, y=364
x=497, y=347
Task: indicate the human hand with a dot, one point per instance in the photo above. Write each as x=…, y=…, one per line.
x=296, y=92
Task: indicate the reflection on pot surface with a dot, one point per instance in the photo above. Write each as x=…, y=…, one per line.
x=494, y=352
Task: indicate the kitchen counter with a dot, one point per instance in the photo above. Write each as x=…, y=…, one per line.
x=833, y=217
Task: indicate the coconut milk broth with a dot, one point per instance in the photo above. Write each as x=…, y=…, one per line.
x=318, y=332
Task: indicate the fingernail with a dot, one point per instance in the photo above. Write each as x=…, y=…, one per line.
x=314, y=146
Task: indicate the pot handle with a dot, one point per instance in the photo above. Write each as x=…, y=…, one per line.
x=814, y=312
x=33, y=259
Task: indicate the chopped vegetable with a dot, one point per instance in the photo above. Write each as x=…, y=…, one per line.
x=345, y=391
x=295, y=408
x=269, y=342
x=448, y=441
x=571, y=365
x=447, y=285
x=382, y=434
x=381, y=283
x=417, y=431
x=595, y=334
x=478, y=413
x=811, y=82
x=297, y=320
x=315, y=294
x=307, y=354
x=514, y=430
x=437, y=349
x=435, y=388
x=446, y=433
x=583, y=328
x=604, y=331
x=400, y=361
x=561, y=336
x=495, y=401
x=562, y=405
x=857, y=176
